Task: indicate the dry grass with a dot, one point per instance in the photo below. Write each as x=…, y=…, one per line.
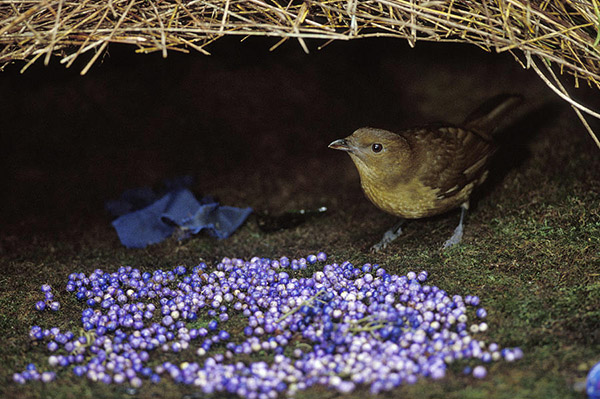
x=563, y=34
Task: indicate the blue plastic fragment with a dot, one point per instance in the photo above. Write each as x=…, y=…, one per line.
x=176, y=210
x=138, y=198
x=131, y=200
x=593, y=382
x=192, y=216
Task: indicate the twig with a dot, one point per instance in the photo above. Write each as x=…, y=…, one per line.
x=562, y=92
x=54, y=30
x=105, y=43
x=163, y=41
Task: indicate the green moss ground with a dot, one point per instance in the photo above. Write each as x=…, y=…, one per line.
x=531, y=249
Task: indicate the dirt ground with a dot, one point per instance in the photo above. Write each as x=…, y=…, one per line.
x=252, y=127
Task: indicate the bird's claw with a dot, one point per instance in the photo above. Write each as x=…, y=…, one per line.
x=378, y=247
x=387, y=238
x=455, y=239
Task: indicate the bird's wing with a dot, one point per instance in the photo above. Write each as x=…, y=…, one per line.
x=452, y=157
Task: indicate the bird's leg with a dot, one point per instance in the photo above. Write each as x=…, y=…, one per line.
x=389, y=236
x=458, y=231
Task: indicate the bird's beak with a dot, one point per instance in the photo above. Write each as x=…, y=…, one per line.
x=341, y=144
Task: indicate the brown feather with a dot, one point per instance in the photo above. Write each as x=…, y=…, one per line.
x=426, y=171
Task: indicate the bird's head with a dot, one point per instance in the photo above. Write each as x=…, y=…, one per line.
x=376, y=152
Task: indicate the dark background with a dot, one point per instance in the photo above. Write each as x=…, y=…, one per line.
x=247, y=123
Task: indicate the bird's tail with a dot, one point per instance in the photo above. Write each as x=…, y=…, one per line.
x=489, y=115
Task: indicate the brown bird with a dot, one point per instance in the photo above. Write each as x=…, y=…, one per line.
x=426, y=171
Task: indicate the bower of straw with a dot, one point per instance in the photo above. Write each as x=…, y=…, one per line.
x=559, y=34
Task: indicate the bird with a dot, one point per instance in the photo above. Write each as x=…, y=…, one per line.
x=427, y=170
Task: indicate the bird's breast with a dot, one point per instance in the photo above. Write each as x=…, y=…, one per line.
x=412, y=200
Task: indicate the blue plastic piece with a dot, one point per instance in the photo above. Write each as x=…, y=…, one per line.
x=176, y=210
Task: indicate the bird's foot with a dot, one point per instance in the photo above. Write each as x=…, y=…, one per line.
x=456, y=237
x=387, y=238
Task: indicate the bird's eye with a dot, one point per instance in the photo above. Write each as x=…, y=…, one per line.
x=376, y=147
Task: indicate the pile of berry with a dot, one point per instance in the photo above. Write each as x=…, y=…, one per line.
x=341, y=327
